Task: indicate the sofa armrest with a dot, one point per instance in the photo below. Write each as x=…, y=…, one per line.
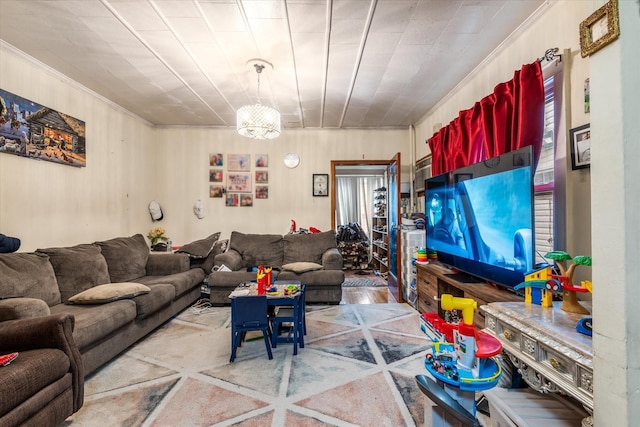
x=164, y=264
x=231, y=259
x=22, y=308
x=332, y=260
x=54, y=331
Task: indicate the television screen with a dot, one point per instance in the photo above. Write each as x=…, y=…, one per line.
x=480, y=218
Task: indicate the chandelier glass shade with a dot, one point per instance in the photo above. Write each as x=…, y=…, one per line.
x=258, y=121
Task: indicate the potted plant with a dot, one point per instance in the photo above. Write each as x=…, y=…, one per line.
x=156, y=237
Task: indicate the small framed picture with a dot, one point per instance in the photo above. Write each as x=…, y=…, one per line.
x=238, y=162
x=231, y=199
x=216, y=175
x=216, y=159
x=262, y=160
x=216, y=191
x=580, y=140
x=262, y=192
x=599, y=29
x=320, y=184
x=262, y=177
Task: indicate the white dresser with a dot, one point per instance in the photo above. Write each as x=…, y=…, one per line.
x=543, y=344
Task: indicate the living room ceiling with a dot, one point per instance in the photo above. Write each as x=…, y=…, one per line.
x=336, y=63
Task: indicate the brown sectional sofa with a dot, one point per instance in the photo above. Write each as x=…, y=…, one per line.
x=45, y=384
x=42, y=284
x=312, y=259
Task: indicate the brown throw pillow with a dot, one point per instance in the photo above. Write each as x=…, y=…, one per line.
x=77, y=268
x=126, y=257
x=28, y=275
x=200, y=248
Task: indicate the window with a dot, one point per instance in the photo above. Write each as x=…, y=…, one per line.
x=548, y=179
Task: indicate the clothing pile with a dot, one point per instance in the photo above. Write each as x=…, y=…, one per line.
x=351, y=232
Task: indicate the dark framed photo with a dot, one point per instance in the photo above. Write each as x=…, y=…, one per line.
x=320, y=184
x=580, y=140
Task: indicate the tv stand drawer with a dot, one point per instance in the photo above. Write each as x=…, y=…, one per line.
x=434, y=279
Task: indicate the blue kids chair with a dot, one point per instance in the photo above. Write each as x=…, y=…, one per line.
x=294, y=315
x=248, y=313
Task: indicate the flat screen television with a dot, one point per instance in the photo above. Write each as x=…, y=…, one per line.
x=480, y=218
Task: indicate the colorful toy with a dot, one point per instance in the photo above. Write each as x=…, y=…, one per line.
x=460, y=348
x=585, y=326
x=460, y=359
x=291, y=290
x=569, y=291
x=540, y=285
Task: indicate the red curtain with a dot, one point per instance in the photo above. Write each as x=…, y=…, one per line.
x=512, y=117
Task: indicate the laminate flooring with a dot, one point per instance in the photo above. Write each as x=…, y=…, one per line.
x=366, y=295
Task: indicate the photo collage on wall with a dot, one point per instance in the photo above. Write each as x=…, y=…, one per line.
x=238, y=189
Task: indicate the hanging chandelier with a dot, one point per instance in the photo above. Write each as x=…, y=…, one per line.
x=258, y=121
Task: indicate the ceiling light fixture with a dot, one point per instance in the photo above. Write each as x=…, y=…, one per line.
x=258, y=121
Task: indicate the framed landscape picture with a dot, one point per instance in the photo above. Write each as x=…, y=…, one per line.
x=31, y=130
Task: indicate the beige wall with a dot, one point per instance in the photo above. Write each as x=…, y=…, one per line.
x=184, y=155
x=49, y=204
x=129, y=163
x=554, y=25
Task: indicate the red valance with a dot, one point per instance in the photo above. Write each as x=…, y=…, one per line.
x=512, y=117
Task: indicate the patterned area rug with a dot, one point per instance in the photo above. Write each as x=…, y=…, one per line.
x=357, y=368
x=358, y=283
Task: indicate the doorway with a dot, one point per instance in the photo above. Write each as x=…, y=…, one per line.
x=367, y=179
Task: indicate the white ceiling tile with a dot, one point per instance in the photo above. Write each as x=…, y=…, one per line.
x=139, y=15
x=223, y=17
x=263, y=9
x=437, y=10
x=185, y=62
x=191, y=30
x=177, y=8
x=392, y=16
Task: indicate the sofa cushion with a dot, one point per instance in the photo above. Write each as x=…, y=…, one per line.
x=159, y=296
x=182, y=282
x=258, y=249
x=77, y=268
x=28, y=275
x=94, y=322
x=109, y=292
x=308, y=247
x=126, y=257
x=318, y=277
x=302, y=267
x=200, y=248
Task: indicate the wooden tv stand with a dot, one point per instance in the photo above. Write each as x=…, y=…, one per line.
x=434, y=279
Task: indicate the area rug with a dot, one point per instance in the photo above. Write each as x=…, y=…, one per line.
x=357, y=283
x=357, y=368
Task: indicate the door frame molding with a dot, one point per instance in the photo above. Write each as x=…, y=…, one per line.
x=335, y=163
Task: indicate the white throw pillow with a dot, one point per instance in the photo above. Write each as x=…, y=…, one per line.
x=302, y=267
x=110, y=292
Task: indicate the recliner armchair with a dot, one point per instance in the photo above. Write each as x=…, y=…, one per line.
x=44, y=385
